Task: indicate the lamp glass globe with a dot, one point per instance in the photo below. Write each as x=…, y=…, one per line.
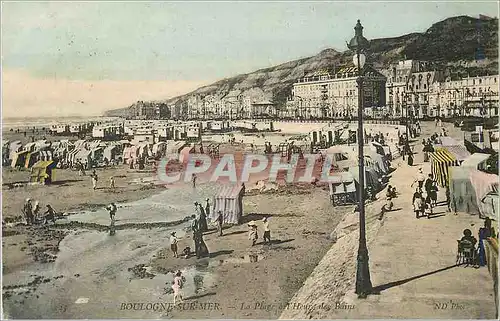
x=362, y=60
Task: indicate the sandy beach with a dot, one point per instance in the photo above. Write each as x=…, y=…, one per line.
x=73, y=269
x=49, y=269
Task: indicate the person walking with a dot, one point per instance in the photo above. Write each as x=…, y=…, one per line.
x=448, y=199
x=28, y=211
x=202, y=219
x=173, y=244
x=49, y=215
x=94, y=178
x=420, y=179
x=252, y=233
x=207, y=208
x=177, y=286
x=220, y=222
x=433, y=192
x=112, y=182
x=193, y=180
x=112, y=211
x=36, y=211
x=428, y=207
x=417, y=203
x=267, y=231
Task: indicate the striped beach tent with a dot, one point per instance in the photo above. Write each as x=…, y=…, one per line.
x=441, y=160
x=229, y=200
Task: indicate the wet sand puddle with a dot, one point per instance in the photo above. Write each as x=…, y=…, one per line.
x=173, y=204
x=92, y=262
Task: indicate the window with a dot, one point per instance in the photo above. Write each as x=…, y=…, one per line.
x=425, y=86
x=480, y=81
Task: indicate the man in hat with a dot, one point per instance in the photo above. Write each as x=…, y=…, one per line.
x=28, y=211
x=173, y=243
x=267, y=231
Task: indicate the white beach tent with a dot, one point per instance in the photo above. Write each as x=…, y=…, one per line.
x=229, y=200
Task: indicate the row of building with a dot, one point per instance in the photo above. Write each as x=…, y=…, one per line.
x=409, y=87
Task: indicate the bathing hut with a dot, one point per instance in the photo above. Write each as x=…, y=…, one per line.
x=184, y=154
x=159, y=149
x=229, y=200
x=19, y=158
x=342, y=188
x=32, y=158
x=43, y=172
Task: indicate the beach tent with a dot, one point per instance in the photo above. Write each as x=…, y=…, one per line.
x=342, y=188
x=184, y=154
x=462, y=193
x=83, y=156
x=229, y=200
x=19, y=158
x=378, y=162
x=43, y=172
x=476, y=161
x=441, y=160
x=110, y=152
x=174, y=147
x=97, y=153
x=489, y=205
x=46, y=155
x=371, y=178
x=14, y=147
x=459, y=152
x=486, y=188
x=159, y=149
x=32, y=158
x=29, y=147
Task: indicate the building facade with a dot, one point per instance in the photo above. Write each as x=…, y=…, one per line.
x=335, y=95
x=408, y=89
x=472, y=96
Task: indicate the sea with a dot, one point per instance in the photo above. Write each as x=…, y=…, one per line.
x=22, y=122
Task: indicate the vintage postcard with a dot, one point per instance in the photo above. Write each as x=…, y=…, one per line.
x=250, y=160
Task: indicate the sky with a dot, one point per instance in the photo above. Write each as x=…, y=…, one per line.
x=81, y=58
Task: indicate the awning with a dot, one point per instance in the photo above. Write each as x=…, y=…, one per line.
x=458, y=151
x=475, y=159
x=43, y=164
x=229, y=191
x=443, y=156
x=448, y=141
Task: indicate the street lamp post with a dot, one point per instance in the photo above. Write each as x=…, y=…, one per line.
x=363, y=283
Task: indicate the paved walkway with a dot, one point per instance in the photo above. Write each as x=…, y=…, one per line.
x=412, y=263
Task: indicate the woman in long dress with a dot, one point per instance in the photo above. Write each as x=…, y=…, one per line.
x=177, y=285
x=201, y=248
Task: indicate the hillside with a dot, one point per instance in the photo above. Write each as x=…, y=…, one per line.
x=450, y=43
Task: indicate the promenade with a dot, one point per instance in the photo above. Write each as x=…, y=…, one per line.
x=412, y=265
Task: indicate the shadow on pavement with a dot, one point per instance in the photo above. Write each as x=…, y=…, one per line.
x=221, y=252
x=194, y=297
x=382, y=287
